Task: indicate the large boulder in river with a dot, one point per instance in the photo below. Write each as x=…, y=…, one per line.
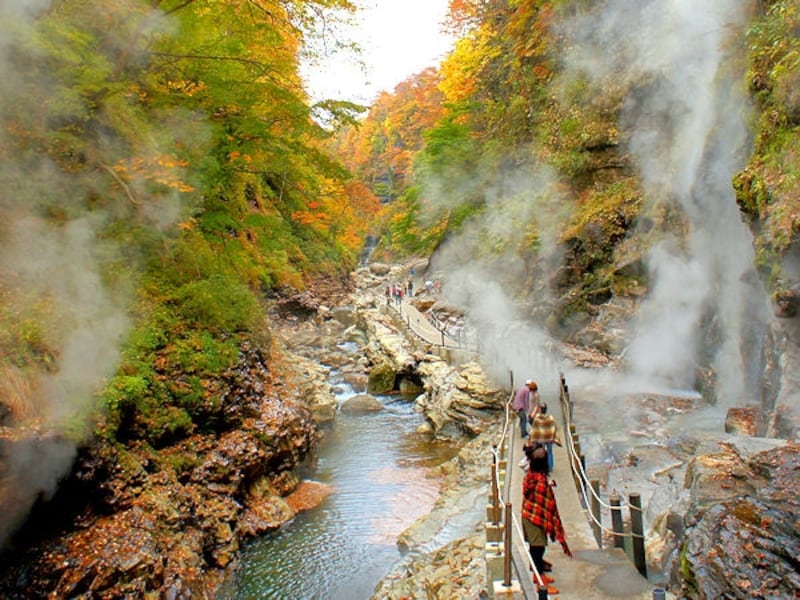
x=458, y=400
x=318, y=394
x=380, y=269
x=361, y=403
x=381, y=379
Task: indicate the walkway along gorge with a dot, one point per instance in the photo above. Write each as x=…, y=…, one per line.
x=677, y=470
x=592, y=572
x=448, y=552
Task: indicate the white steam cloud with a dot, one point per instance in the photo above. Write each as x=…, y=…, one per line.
x=57, y=266
x=53, y=257
x=688, y=133
x=61, y=264
x=685, y=122
x=481, y=266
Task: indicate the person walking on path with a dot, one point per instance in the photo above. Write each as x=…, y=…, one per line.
x=544, y=431
x=540, y=518
x=522, y=404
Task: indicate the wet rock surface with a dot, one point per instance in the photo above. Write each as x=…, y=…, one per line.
x=697, y=484
x=742, y=538
x=170, y=522
x=361, y=403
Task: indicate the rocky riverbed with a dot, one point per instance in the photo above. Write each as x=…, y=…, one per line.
x=720, y=508
x=720, y=502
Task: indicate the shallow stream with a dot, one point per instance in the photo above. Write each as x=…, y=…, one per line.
x=379, y=468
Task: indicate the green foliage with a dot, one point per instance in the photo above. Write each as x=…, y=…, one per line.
x=687, y=573
x=411, y=232
x=201, y=353
x=184, y=133
x=450, y=144
x=141, y=410
x=219, y=304
x=181, y=463
x=767, y=189
x=337, y=114
x=605, y=214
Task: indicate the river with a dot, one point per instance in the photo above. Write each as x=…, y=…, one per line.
x=379, y=468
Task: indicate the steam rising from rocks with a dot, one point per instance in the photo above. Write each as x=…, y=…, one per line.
x=685, y=124
x=508, y=340
x=53, y=256
x=689, y=136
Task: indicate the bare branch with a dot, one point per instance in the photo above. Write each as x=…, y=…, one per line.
x=183, y=4
x=122, y=184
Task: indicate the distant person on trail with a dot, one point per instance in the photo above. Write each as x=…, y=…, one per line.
x=540, y=518
x=388, y=295
x=522, y=404
x=410, y=288
x=544, y=431
x=396, y=293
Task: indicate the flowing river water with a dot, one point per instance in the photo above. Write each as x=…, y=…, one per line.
x=379, y=468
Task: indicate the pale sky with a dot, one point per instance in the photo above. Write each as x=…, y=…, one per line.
x=398, y=37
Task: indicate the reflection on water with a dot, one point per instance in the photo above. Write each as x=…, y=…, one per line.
x=378, y=467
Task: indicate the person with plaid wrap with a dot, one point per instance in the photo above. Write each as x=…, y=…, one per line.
x=540, y=518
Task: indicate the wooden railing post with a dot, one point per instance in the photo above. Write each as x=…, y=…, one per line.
x=637, y=533
x=576, y=469
x=495, y=510
x=616, y=521
x=595, y=512
x=507, y=564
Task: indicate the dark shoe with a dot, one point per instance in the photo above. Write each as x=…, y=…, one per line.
x=548, y=567
x=551, y=591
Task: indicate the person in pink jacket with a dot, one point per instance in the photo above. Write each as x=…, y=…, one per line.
x=526, y=399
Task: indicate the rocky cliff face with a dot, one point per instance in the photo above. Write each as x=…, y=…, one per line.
x=741, y=536
x=780, y=400
x=131, y=521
